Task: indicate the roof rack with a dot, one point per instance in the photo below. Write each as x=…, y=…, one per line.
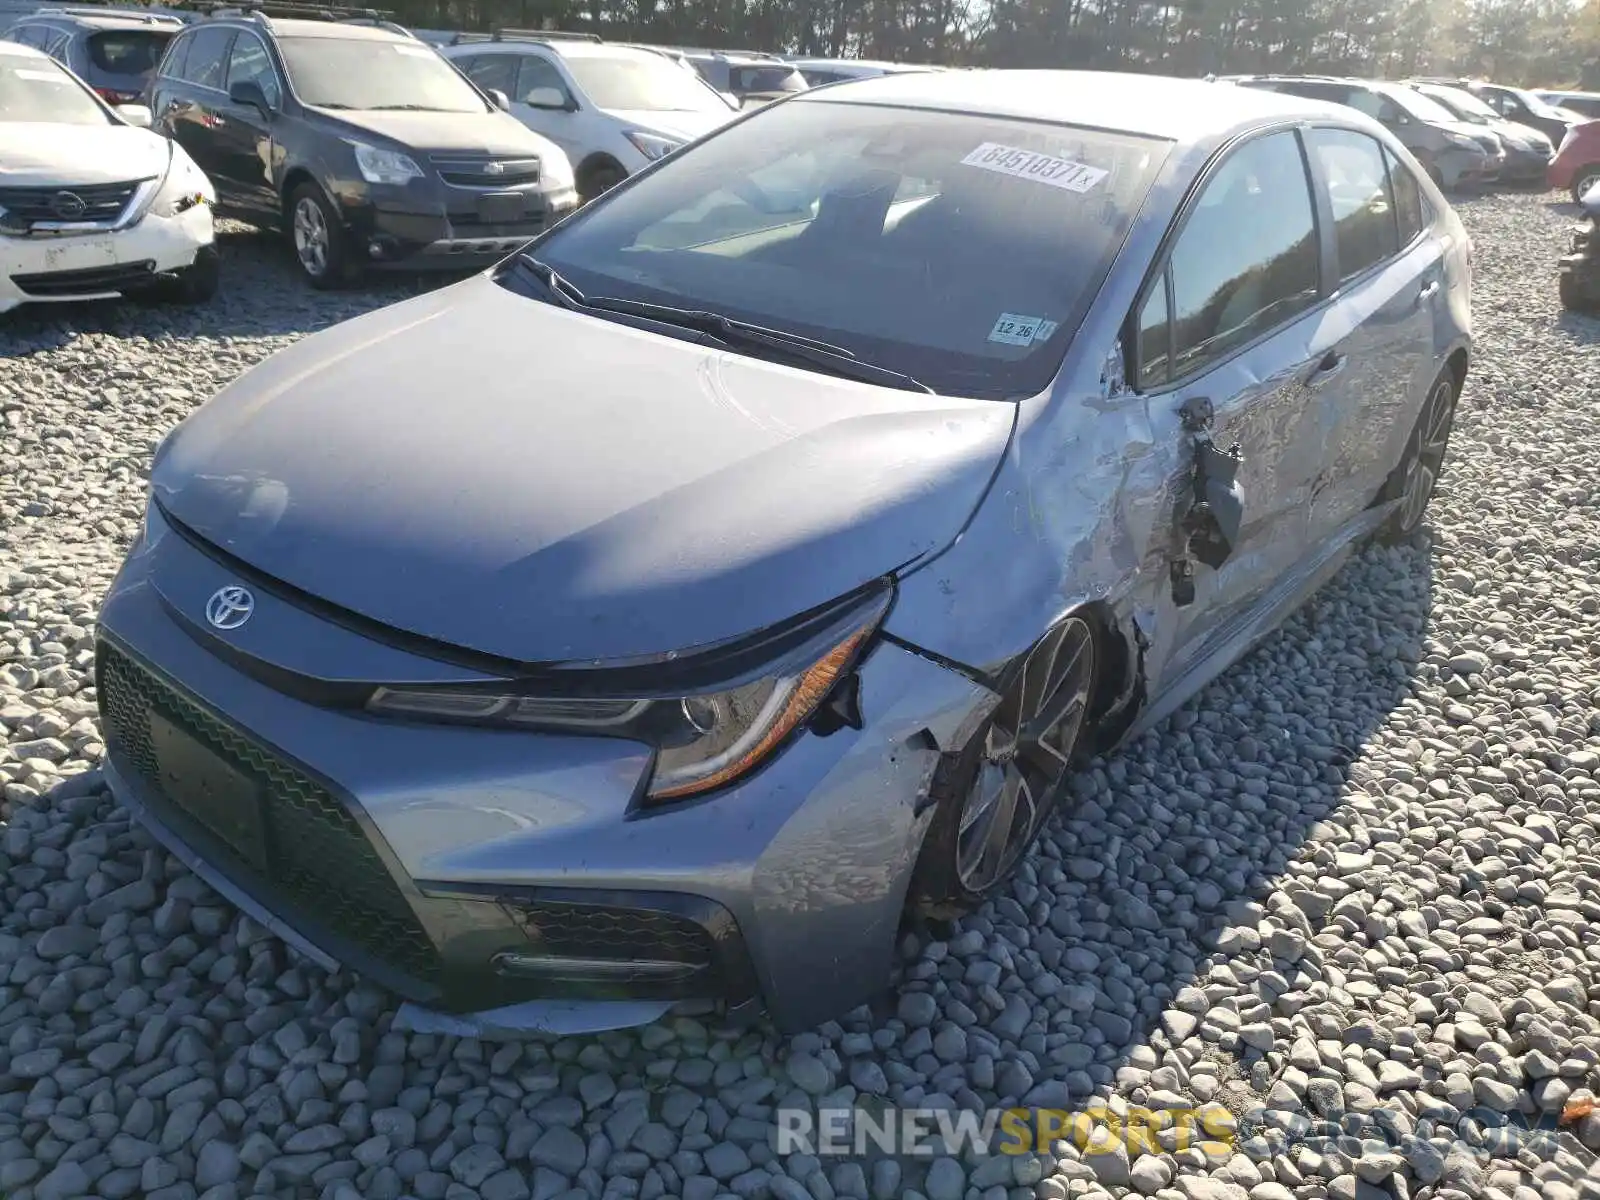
x=263, y=10
x=107, y=10
x=758, y=54
x=526, y=35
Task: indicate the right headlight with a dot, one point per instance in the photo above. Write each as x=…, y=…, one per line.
x=378, y=165
x=1465, y=142
x=704, y=738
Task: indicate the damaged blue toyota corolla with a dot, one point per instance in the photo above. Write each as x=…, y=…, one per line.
x=650, y=621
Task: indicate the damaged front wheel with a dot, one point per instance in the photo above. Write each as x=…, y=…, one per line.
x=993, y=802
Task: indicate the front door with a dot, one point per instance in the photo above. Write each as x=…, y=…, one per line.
x=1232, y=324
x=244, y=132
x=188, y=103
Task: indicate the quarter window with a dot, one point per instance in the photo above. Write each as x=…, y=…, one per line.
x=207, y=58
x=1407, y=198
x=250, y=61
x=1358, y=190
x=1247, y=259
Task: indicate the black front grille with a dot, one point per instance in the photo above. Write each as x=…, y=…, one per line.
x=624, y=934
x=90, y=282
x=307, y=848
x=486, y=172
x=102, y=202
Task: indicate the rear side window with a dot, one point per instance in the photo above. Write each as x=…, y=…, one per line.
x=1247, y=258
x=207, y=58
x=1407, y=198
x=535, y=72
x=177, y=50
x=127, y=51
x=490, y=71
x=1358, y=189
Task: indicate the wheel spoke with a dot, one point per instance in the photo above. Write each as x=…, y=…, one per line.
x=998, y=833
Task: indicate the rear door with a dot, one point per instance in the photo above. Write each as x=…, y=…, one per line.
x=1389, y=277
x=192, y=104
x=1234, y=320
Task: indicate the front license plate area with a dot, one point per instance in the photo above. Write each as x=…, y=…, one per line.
x=210, y=790
x=502, y=208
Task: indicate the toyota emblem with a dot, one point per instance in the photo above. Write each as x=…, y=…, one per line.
x=69, y=206
x=230, y=607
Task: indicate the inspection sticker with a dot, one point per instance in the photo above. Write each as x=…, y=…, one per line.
x=1012, y=330
x=1041, y=168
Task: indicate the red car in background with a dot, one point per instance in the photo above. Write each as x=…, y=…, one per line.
x=1576, y=165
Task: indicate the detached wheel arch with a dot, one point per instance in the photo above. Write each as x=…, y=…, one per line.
x=993, y=796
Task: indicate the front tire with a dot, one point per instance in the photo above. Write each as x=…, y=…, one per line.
x=1412, y=483
x=194, y=284
x=1586, y=178
x=321, y=247
x=994, y=799
x=599, y=180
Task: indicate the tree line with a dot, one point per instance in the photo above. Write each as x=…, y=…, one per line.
x=1536, y=43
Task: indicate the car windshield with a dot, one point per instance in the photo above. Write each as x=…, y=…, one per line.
x=128, y=51
x=1421, y=107
x=766, y=79
x=962, y=250
x=642, y=82
x=368, y=73
x=1464, y=105
x=1535, y=105
x=36, y=89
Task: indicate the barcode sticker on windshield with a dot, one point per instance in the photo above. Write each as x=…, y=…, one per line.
x=1046, y=328
x=1041, y=168
x=1012, y=330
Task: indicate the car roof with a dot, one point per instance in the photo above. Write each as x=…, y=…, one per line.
x=1154, y=105
x=106, y=20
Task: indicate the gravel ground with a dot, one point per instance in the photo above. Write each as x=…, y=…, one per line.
x=1358, y=874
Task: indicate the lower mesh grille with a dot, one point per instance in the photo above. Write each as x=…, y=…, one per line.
x=306, y=847
x=625, y=934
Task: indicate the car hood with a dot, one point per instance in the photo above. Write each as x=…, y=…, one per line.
x=1525, y=134
x=39, y=154
x=442, y=132
x=490, y=471
x=685, y=126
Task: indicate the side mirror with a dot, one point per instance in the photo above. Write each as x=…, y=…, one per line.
x=499, y=99
x=248, y=92
x=134, y=114
x=549, y=98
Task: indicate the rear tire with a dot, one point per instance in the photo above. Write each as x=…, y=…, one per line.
x=995, y=796
x=1413, y=482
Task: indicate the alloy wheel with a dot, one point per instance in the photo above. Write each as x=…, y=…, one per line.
x=1586, y=183
x=311, y=237
x=1425, y=456
x=1027, y=750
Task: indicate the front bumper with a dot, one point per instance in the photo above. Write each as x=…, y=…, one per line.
x=42, y=269
x=1525, y=166
x=1461, y=168
x=435, y=226
x=420, y=854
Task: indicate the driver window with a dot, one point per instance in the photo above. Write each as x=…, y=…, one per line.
x=491, y=72
x=249, y=61
x=534, y=71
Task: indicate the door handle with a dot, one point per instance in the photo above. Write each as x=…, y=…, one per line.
x=1429, y=290
x=1332, y=365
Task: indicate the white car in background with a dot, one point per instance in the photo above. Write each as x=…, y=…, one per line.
x=613, y=108
x=92, y=206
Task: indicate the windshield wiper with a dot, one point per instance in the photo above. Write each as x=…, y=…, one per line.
x=835, y=359
x=563, y=292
